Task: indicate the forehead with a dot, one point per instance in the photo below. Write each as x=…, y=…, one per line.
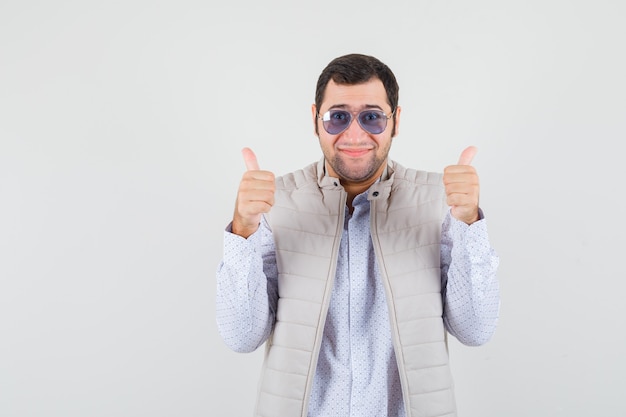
x=356, y=96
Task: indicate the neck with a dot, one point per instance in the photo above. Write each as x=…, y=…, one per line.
x=354, y=188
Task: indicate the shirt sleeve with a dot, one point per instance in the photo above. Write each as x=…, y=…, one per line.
x=470, y=286
x=246, y=294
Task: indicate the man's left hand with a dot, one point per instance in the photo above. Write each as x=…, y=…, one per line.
x=462, y=187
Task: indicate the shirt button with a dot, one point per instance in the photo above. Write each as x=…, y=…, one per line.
x=375, y=193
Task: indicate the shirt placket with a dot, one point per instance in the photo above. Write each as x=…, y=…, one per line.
x=358, y=241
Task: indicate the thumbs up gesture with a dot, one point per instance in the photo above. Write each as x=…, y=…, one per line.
x=255, y=196
x=462, y=188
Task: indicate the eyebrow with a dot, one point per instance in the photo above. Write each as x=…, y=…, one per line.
x=346, y=107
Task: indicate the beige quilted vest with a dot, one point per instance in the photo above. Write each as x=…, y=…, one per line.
x=307, y=221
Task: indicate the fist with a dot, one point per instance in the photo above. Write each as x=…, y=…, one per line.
x=462, y=187
x=255, y=196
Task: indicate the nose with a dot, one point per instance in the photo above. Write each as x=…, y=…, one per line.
x=354, y=131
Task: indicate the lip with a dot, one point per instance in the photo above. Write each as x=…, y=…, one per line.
x=354, y=153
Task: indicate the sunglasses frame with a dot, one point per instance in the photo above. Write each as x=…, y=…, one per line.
x=352, y=117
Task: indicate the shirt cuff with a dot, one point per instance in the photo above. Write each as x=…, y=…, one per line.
x=237, y=247
x=474, y=238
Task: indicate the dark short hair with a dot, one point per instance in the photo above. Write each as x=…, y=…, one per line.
x=354, y=69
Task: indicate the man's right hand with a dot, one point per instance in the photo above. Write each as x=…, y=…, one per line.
x=255, y=196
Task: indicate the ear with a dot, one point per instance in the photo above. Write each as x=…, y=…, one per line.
x=314, y=116
x=397, y=121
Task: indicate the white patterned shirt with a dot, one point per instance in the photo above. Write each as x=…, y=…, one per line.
x=357, y=374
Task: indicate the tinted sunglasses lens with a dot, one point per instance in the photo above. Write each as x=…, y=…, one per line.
x=336, y=121
x=373, y=121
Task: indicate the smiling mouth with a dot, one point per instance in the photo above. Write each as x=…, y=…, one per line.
x=354, y=153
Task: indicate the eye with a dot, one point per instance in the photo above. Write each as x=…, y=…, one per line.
x=371, y=116
x=339, y=115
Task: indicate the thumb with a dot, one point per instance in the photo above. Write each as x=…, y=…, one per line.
x=467, y=155
x=250, y=159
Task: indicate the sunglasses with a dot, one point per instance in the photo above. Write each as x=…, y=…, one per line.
x=372, y=121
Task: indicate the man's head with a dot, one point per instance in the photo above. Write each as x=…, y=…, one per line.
x=356, y=115
x=357, y=69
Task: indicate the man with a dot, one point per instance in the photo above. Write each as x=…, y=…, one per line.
x=353, y=270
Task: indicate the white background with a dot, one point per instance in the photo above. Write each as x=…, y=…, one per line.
x=121, y=124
